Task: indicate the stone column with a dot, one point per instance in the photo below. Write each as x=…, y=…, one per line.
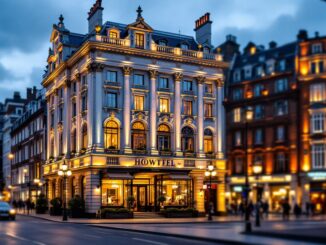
x=200, y=118
x=90, y=105
x=66, y=118
x=199, y=194
x=177, y=112
x=220, y=120
x=153, y=103
x=48, y=127
x=126, y=109
x=98, y=138
x=93, y=196
x=55, y=124
x=78, y=114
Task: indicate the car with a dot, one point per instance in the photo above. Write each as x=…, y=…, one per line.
x=6, y=211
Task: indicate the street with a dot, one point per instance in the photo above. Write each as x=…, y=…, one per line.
x=26, y=230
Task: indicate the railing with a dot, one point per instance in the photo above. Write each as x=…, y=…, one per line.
x=112, y=161
x=189, y=163
x=208, y=56
x=189, y=53
x=116, y=41
x=165, y=49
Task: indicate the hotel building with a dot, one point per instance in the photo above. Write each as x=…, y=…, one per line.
x=137, y=112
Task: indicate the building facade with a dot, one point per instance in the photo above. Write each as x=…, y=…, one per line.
x=135, y=111
x=28, y=149
x=312, y=81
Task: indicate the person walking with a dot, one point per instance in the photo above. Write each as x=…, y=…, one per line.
x=297, y=211
x=286, y=210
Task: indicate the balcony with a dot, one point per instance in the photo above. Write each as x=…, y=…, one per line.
x=115, y=41
x=139, y=152
x=166, y=152
x=189, y=154
x=165, y=49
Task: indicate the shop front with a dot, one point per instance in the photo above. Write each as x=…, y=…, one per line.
x=317, y=191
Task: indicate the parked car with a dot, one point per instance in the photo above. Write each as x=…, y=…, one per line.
x=6, y=211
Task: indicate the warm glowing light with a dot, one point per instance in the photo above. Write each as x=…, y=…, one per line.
x=69, y=173
x=11, y=156
x=60, y=172
x=257, y=169
x=97, y=29
x=265, y=92
x=36, y=181
x=252, y=50
x=210, y=167
x=249, y=113
x=207, y=173
x=214, y=173
x=282, y=191
x=64, y=167
x=25, y=170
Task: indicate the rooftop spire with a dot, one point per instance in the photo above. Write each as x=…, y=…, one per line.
x=139, y=11
x=61, y=24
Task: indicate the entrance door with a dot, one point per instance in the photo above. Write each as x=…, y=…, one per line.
x=140, y=194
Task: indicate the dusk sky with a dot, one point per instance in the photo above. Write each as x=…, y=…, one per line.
x=25, y=26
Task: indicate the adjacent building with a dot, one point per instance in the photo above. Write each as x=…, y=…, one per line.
x=28, y=148
x=135, y=111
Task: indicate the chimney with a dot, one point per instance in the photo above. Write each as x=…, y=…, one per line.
x=203, y=29
x=95, y=16
x=316, y=34
x=302, y=35
x=272, y=45
x=231, y=38
x=16, y=95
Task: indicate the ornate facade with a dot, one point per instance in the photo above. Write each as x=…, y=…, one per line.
x=134, y=112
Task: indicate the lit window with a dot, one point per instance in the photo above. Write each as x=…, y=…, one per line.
x=318, y=156
x=164, y=105
x=208, y=141
x=111, y=76
x=318, y=123
x=208, y=109
x=139, y=40
x=163, y=138
x=318, y=92
x=138, y=136
x=139, y=102
x=139, y=80
x=187, y=107
x=111, y=100
x=237, y=115
x=113, y=34
x=84, y=138
x=187, y=86
x=111, y=135
x=164, y=82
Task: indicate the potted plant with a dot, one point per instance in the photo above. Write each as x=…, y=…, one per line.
x=130, y=201
x=41, y=204
x=161, y=199
x=56, y=206
x=116, y=213
x=77, y=207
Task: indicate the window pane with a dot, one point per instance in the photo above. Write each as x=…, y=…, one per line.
x=139, y=80
x=139, y=103
x=164, y=105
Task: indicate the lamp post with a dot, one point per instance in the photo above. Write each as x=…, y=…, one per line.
x=64, y=172
x=257, y=169
x=248, y=118
x=210, y=172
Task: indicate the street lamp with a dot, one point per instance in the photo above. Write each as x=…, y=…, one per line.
x=210, y=172
x=38, y=184
x=64, y=172
x=248, y=117
x=257, y=169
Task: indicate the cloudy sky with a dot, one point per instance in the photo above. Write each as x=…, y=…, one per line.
x=25, y=26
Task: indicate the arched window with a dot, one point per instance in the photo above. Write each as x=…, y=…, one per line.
x=84, y=138
x=138, y=136
x=111, y=135
x=187, y=139
x=163, y=138
x=208, y=141
x=74, y=140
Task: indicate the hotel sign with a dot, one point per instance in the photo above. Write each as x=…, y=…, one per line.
x=148, y=162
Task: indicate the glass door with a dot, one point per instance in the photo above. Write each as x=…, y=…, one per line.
x=140, y=194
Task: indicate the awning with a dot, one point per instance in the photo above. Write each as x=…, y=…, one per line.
x=118, y=176
x=179, y=177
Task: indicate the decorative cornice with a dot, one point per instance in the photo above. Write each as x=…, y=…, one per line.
x=127, y=70
x=200, y=79
x=153, y=74
x=178, y=76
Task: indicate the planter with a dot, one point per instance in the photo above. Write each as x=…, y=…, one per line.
x=55, y=211
x=118, y=215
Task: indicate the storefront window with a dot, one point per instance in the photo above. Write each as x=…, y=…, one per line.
x=111, y=135
x=112, y=192
x=176, y=192
x=138, y=136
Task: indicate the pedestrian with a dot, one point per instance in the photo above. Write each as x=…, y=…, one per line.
x=241, y=209
x=28, y=205
x=307, y=208
x=251, y=208
x=286, y=210
x=14, y=204
x=266, y=209
x=312, y=208
x=297, y=210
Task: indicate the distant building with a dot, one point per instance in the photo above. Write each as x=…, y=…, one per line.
x=135, y=111
x=28, y=149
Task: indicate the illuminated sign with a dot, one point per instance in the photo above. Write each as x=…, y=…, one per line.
x=237, y=189
x=144, y=162
x=317, y=175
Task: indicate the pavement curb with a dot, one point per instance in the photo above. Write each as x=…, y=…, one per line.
x=223, y=241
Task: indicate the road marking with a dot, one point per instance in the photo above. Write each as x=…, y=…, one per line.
x=24, y=239
x=149, y=241
x=92, y=236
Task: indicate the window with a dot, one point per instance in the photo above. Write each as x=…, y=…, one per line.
x=187, y=139
x=208, y=109
x=208, y=141
x=139, y=102
x=164, y=82
x=74, y=87
x=139, y=40
x=74, y=140
x=270, y=68
x=139, y=80
x=258, y=89
x=111, y=76
x=280, y=133
x=184, y=46
x=187, y=86
x=111, y=100
x=138, y=136
x=236, y=76
x=237, y=138
x=238, y=165
x=280, y=163
x=318, y=92
x=247, y=73
x=52, y=146
x=60, y=143
x=237, y=94
x=163, y=138
x=320, y=67
x=84, y=102
x=208, y=88
x=84, y=80
x=84, y=138
x=113, y=34
x=317, y=48
x=318, y=156
x=60, y=114
x=281, y=107
x=281, y=85
x=258, y=159
x=111, y=135
x=164, y=105
x=259, y=112
x=259, y=71
x=187, y=107
x=52, y=119
x=282, y=65
x=162, y=43
x=237, y=115
x=258, y=136
x=318, y=123
x=74, y=109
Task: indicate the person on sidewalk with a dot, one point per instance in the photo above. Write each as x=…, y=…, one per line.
x=286, y=210
x=297, y=211
x=266, y=209
x=307, y=208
